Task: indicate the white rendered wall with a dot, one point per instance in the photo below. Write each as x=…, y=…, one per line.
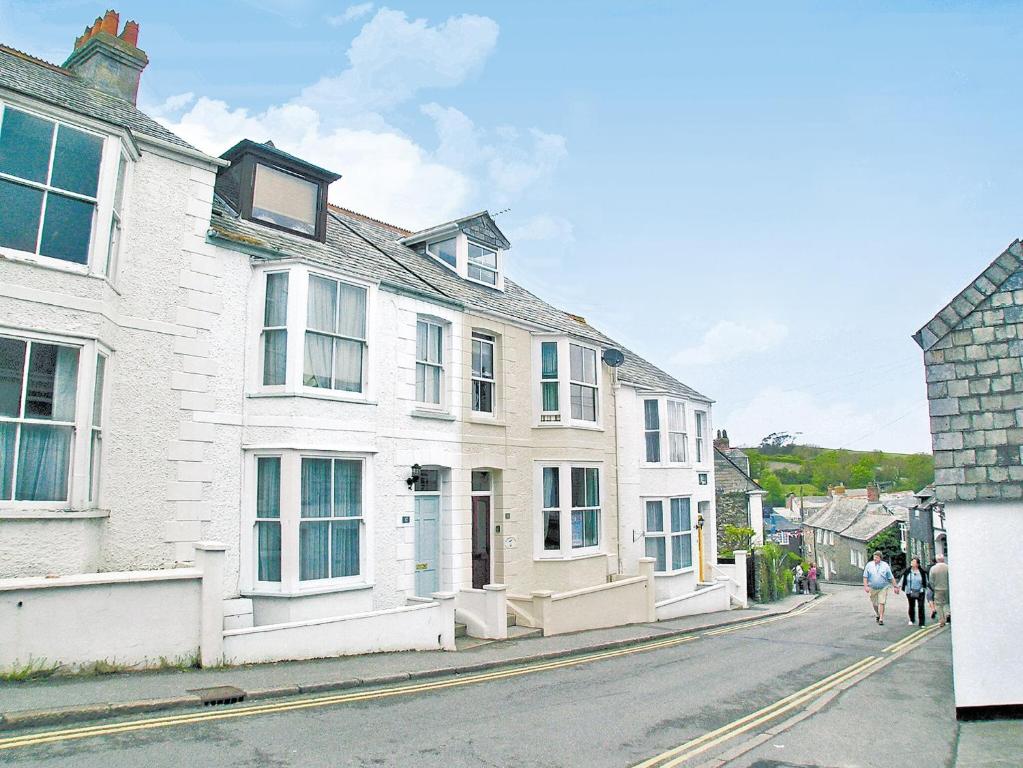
x=121, y=618
x=146, y=515
x=640, y=481
x=984, y=583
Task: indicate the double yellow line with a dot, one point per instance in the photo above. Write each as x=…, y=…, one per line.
x=699, y=745
x=760, y=622
x=86, y=732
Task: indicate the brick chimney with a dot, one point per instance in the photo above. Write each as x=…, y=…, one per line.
x=873, y=492
x=836, y=490
x=721, y=441
x=110, y=62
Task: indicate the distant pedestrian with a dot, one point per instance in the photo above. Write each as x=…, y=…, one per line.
x=797, y=579
x=877, y=579
x=939, y=583
x=811, y=579
x=914, y=584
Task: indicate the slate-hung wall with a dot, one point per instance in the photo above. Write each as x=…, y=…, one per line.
x=975, y=386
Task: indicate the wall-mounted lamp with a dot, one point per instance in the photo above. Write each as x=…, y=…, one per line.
x=417, y=472
x=699, y=521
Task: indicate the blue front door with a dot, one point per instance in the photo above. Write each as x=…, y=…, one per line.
x=427, y=563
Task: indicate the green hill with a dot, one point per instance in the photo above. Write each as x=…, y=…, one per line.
x=784, y=469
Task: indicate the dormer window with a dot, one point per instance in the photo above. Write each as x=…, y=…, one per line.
x=482, y=264
x=285, y=200
x=473, y=247
x=444, y=250
x=276, y=189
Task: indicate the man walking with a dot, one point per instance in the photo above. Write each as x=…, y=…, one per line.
x=877, y=578
x=939, y=583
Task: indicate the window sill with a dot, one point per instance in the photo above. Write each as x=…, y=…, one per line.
x=481, y=418
x=309, y=592
x=438, y=415
x=314, y=396
x=570, y=425
x=559, y=558
x=57, y=265
x=53, y=514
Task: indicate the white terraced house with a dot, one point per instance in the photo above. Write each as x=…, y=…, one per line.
x=240, y=424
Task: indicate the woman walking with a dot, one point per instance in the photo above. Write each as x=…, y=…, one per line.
x=811, y=579
x=914, y=583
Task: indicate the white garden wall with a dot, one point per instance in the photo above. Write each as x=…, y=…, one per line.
x=419, y=627
x=130, y=619
x=705, y=600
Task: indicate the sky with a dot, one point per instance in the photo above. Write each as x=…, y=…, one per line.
x=764, y=199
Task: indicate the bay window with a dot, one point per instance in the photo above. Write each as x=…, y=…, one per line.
x=669, y=534
x=652, y=431
x=701, y=429
x=51, y=177
x=308, y=525
x=275, y=329
x=42, y=427
x=678, y=440
x=335, y=337
x=583, y=373
x=312, y=333
x=580, y=389
x=575, y=529
x=549, y=382
x=483, y=381
x=429, y=362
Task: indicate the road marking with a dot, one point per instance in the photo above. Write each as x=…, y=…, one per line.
x=323, y=701
x=84, y=732
x=758, y=622
x=700, y=744
x=916, y=635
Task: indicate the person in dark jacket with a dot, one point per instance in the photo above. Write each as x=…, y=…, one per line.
x=914, y=584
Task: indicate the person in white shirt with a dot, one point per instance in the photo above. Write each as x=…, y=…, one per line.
x=877, y=578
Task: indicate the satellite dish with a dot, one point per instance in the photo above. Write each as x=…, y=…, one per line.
x=613, y=357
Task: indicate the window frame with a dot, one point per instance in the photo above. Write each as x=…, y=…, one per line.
x=264, y=328
x=299, y=275
x=563, y=416
x=671, y=402
x=700, y=427
x=115, y=145
x=648, y=432
x=443, y=332
x=668, y=534
x=470, y=263
x=566, y=510
x=483, y=337
x=80, y=458
x=291, y=519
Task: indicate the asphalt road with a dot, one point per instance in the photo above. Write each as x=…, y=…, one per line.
x=620, y=710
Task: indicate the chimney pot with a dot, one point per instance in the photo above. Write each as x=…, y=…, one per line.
x=110, y=23
x=130, y=34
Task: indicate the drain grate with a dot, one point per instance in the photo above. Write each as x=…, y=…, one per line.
x=219, y=694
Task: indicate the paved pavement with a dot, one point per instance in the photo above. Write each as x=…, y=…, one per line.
x=620, y=710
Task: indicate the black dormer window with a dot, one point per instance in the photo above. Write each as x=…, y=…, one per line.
x=286, y=200
x=276, y=189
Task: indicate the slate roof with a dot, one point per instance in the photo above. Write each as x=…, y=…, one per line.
x=970, y=297
x=722, y=461
x=370, y=249
x=854, y=518
x=47, y=82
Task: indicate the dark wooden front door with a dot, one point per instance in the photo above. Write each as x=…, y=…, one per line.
x=480, y=541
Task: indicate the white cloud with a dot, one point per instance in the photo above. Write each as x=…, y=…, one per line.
x=351, y=13
x=392, y=58
x=729, y=340
x=341, y=123
x=511, y=161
